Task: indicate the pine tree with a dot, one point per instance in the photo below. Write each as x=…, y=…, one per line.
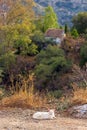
x=50, y=19
x=74, y=33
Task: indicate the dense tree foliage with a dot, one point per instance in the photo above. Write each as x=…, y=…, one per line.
x=16, y=29
x=16, y=11
x=83, y=54
x=80, y=22
x=74, y=33
x=51, y=62
x=66, y=28
x=50, y=19
x=22, y=37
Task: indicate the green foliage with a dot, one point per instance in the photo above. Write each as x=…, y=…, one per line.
x=7, y=60
x=32, y=49
x=83, y=54
x=39, y=23
x=74, y=33
x=22, y=40
x=18, y=36
x=16, y=33
x=80, y=22
x=64, y=105
x=1, y=74
x=51, y=62
x=55, y=94
x=50, y=19
x=66, y=28
x=39, y=39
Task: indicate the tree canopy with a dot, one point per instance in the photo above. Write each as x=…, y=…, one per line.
x=50, y=63
x=50, y=19
x=83, y=54
x=17, y=29
x=80, y=22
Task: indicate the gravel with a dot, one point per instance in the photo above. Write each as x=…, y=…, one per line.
x=19, y=119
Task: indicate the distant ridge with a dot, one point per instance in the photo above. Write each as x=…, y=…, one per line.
x=65, y=9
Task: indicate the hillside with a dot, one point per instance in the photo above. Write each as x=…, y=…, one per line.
x=65, y=9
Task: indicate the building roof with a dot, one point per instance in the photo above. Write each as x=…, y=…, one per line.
x=54, y=33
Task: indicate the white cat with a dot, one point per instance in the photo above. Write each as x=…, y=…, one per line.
x=44, y=115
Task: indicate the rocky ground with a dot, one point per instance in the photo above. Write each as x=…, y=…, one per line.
x=19, y=119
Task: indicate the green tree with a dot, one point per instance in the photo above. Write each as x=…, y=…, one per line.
x=50, y=19
x=83, y=54
x=74, y=33
x=7, y=60
x=22, y=39
x=39, y=23
x=80, y=22
x=39, y=39
x=66, y=28
x=50, y=63
x=18, y=28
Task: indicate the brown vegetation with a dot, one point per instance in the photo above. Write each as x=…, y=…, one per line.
x=79, y=95
x=24, y=96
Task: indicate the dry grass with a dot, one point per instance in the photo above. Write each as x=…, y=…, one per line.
x=1, y=92
x=24, y=99
x=79, y=95
x=24, y=96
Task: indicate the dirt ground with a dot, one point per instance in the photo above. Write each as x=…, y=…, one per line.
x=19, y=119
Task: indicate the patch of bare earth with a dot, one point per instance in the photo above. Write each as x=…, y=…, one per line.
x=19, y=119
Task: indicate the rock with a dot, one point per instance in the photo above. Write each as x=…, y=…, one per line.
x=79, y=111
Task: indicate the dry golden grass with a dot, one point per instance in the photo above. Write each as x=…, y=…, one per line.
x=79, y=95
x=1, y=92
x=24, y=99
x=25, y=96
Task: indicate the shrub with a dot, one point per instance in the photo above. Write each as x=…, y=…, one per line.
x=63, y=105
x=83, y=54
x=50, y=64
x=7, y=60
x=80, y=22
x=55, y=94
x=74, y=33
x=23, y=94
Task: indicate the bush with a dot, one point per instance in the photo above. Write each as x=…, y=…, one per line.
x=50, y=64
x=23, y=95
x=83, y=54
x=63, y=105
x=55, y=94
x=7, y=60
x=74, y=33
x=80, y=22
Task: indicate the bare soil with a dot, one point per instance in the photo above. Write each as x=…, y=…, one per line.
x=20, y=119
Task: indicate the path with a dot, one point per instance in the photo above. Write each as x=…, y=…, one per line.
x=18, y=119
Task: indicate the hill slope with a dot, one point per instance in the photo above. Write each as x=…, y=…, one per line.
x=65, y=9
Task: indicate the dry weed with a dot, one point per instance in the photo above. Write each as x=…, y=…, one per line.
x=79, y=95
x=24, y=95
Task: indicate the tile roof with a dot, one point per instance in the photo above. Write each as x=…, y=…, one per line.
x=54, y=33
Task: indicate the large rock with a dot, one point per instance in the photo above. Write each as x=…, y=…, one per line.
x=79, y=111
